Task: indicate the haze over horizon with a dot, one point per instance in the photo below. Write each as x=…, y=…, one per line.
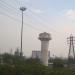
x=56, y=17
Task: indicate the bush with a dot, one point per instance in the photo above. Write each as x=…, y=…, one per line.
x=58, y=63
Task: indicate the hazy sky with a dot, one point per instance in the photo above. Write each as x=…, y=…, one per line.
x=56, y=17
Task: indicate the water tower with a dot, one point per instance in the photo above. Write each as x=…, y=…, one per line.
x=44, y=38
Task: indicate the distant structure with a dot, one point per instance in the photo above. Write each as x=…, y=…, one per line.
x=17, y=52
x=37, y=54
x=71, y=54
x=44, y=38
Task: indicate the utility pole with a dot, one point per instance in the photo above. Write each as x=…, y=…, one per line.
x=71, y=54
x=22, y=9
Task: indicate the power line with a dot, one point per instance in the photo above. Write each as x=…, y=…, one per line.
x=42, y=21
x=17, y=2
x=44, y=25
x=5, y=6
x=17, y=20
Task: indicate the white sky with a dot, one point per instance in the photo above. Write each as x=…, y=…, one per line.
x=54, y=17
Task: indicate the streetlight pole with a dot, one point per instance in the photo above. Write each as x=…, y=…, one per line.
x=22, y=9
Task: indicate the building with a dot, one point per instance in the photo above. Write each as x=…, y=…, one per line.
x=37, y=54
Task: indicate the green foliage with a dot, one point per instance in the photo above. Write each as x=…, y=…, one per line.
x=27, y=69
x=23, y=66
x=7, y=58
x=58, y=63
x=71, y=61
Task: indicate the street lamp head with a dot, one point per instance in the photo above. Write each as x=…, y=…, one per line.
x=22, y=8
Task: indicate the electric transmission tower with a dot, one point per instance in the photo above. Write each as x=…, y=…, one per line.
x=71, y=54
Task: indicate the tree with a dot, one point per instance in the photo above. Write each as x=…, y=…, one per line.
x=58, y=63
